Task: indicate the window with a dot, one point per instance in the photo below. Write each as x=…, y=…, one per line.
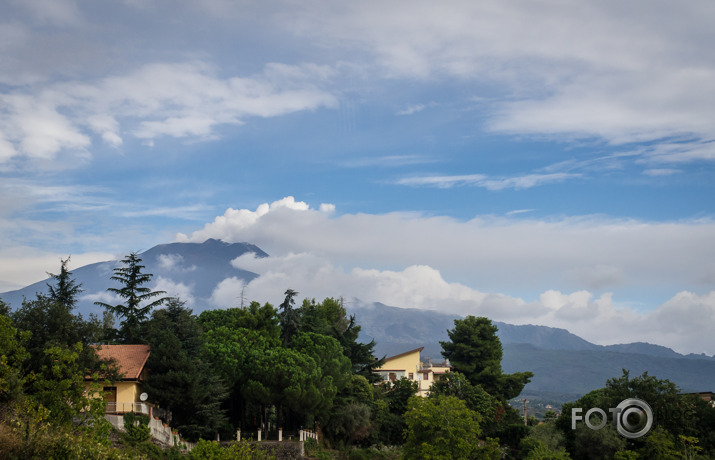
x=411, y=376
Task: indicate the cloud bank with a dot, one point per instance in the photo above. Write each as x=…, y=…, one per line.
x=565, y=273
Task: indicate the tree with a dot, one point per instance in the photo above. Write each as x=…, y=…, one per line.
x=334, y=366
x=391, y=401
x=52, y=324
x=289, y=317
x=330, y=318
x=255, y=317
x=474, y=396
x=475, y=350
x=132, y=313
x=12, y=356
x=66, y=289
x=441, y=427
x=178, y=376
x=598, y=444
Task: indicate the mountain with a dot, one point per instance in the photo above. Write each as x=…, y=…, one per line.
x=565, y=365
x=198, y=265
x=395, y=328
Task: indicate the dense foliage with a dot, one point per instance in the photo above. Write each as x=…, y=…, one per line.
x=249, y=368
x=683, y=425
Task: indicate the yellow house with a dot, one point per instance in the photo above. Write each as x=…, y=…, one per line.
x=125, y=395
x=409, y=365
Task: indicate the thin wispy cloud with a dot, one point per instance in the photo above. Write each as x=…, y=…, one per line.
x=661, y=172
x=412, y=109
x=481, y=180
x=389, y=161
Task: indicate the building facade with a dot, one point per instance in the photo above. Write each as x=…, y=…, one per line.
x=410, y=366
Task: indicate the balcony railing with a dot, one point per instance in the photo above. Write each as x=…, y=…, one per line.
x=123, y=408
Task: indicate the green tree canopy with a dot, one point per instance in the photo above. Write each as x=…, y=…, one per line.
x=178, y=377
x=12, y=357
x=475, y=350
x=255, y=317
x=330, y=318
x=474, y=396
x=51, y=324
x=441, y=427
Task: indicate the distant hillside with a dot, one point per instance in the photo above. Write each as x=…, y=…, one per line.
x=565, y=365
x=579, y=371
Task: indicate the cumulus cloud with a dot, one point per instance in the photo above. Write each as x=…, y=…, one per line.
x=173, y=289
x=575, y=273
x=680, y=323
x=492, y=253
x=228, y=293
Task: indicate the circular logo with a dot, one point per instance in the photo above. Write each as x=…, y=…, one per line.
x=634, y=419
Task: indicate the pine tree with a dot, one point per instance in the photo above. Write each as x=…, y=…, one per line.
x=66, y=289
x=132, y=313
x=289, y=317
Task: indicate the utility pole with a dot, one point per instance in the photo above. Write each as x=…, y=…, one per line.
x=525, y=420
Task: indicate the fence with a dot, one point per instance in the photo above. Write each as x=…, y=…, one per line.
x=279, y=435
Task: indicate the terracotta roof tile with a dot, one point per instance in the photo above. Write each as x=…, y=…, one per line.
x=130, y=358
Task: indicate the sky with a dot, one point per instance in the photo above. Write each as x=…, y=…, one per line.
x=538, y=162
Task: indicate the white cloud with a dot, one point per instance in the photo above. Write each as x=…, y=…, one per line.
x=102, y=296
x=162, y=99
x=24, y=265
x=587, y=70
x=412, y=109
x=661, y=172
x=481, y=180
x=228, y=293
x=491, y=253
x=235, y=220
x=172, y=289
x=174, y=262
x=680, y=323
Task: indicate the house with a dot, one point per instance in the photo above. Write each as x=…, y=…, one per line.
x=125, y=395
x=707, y=396
x=410, y=366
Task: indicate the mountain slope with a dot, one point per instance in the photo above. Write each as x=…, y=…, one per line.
x=199, y=265
x=565, y=366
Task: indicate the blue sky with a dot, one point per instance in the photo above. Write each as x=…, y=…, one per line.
x=556, y=157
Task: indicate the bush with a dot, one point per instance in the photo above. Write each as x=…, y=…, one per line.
x=210, y=450
x=137, y=428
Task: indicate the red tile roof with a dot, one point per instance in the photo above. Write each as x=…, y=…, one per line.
x=131, y=359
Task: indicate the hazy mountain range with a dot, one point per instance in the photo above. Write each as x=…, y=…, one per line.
x=565, y=365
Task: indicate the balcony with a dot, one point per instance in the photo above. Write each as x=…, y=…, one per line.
x=116, y=408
